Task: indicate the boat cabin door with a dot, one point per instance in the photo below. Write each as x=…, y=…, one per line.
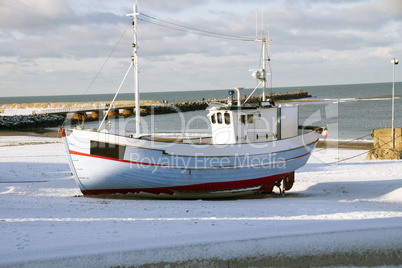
x=245, y=129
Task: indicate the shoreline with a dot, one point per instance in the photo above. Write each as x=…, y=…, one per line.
x=46, y=133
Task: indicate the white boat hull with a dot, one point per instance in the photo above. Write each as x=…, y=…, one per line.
x=181, y=170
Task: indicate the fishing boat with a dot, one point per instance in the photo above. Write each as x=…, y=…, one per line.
x=250, y=149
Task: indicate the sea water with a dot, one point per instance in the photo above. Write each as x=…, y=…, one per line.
x=348, y=111
x=352, y=111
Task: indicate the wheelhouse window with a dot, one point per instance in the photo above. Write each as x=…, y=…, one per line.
x=213, y=119
x=242, y=118
x=249, y=118
x=227, y=118
x=219, y=115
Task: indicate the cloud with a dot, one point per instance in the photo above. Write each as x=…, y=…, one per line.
x=382, y=53
x=313, y=35
x=392, y=8
x=61, y=31
x=51, y=28
x=333, y=25
x=172, y=6
x=27, y=15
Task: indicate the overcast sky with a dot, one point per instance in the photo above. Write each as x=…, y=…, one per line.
x=57, y=47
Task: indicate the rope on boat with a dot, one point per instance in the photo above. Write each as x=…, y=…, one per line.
x=343, y=143
x=100, y=70
x=365, y=151
x=107, y=59
x=344, y=159
x=192, y=30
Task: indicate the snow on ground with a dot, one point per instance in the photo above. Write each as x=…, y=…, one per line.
x=346, y=213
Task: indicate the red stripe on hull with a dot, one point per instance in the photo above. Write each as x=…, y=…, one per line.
x=207, y=187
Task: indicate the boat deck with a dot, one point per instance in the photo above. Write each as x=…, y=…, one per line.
x=195, y=138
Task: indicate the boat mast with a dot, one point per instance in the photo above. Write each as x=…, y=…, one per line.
x=264, y=67
x=268, y=59
x=262, y=73
x=134, y=60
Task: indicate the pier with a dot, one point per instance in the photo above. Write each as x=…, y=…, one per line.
x=123, y=107
x=26, y=115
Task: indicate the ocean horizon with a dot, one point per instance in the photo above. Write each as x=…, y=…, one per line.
x=349, y=111
x=185, y=95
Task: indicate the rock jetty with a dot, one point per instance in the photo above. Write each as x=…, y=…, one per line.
x=203, y=104
x=48, y=114
x=29, y=122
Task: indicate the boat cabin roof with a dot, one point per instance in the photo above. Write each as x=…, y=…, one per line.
x=231, y=107
x=236, y=108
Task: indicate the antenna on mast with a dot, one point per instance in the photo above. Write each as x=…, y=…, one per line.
x=256, y=25
x=262, y=21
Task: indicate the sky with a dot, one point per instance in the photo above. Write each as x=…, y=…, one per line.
x=59, y=47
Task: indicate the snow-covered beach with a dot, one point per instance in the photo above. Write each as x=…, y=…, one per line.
x=337, y=213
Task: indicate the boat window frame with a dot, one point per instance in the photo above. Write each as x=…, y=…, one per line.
x=226, y=116
x=105, y=149
x=213, y=119
x=250, y=118
x=219, y=117
x=242, y=118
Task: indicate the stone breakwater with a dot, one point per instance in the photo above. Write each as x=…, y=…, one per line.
x=184, y=106
x=94, y=110
x=58, y=105
x=28, y=122
x=301, y=94
x=163, y=108
x=175, y=107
